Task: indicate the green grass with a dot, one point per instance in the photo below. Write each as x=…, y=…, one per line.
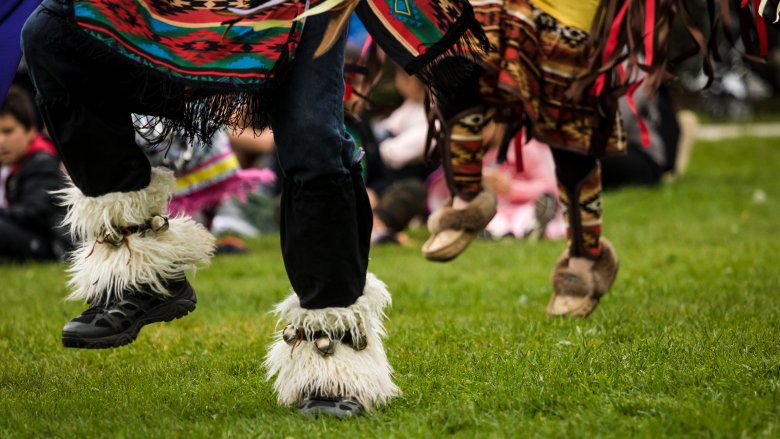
x=687, y=343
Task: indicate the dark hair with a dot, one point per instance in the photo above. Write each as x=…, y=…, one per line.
x=17, y=103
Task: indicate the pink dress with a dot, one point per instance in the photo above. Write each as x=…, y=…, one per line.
x=515, y=214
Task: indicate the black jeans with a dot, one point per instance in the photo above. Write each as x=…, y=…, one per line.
x=83, y=96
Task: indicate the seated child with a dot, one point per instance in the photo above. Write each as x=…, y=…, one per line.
x=527, y=202
x=29, y=171
x=397, y=190
x=527, y=207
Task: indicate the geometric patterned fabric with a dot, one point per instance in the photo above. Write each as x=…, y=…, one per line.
x=189, y=39
x=535, y=61
x=186, y=39
x=582, y=213
x=466, y=152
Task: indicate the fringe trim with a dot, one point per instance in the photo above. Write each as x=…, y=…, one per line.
x=364, y=375
x=238, y=185
x=465, y=39
x=623, y=32
x=201, y=118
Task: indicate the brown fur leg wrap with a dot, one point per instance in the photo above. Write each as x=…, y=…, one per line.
x=473, y=218
x=576, y=293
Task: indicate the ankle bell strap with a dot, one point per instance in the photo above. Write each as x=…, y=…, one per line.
x=118, y=236
x=325, y=345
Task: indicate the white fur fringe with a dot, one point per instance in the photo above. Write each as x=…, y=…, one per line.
x=101, y=272
x=364, y=375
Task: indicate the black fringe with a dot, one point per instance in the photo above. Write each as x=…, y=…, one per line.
x=192, y=110
x=464, y=39
x=202, y=117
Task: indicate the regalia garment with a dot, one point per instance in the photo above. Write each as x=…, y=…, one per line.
x=556, y=69
x=536, y=60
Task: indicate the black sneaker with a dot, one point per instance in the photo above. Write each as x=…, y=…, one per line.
x=118, y=322
x=338, y=407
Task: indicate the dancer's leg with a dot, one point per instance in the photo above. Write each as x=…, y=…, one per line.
x=330, y=358
x=454, y=226
x=587, y=269
x=130, y=260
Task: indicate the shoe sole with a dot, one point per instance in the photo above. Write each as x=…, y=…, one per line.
x=450, y=251
x=164, y=312
x=337, y=409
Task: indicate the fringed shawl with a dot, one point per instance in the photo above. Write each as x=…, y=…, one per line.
x=231, y=65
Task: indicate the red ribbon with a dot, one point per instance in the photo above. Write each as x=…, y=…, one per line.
x=763, y=46
x=631, y=104
x=347, y=91
x=644, y=133
x=612, y=42
x=519, y=140
x=364, y=49
x=649, y=31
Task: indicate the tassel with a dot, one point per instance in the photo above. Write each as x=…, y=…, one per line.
x=763, y=45
x=649, y=31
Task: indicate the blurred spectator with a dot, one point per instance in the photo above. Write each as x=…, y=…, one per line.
x=671, y=141
x=29, y=171
x=210, y=185
x=397, y=184
x=253, y=150
x=402, y=135
x=527, y=198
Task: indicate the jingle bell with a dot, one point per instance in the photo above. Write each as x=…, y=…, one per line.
x=289, y=334
x=359, y=343
x=158, y=224
x=114, y=239
x=325, y=345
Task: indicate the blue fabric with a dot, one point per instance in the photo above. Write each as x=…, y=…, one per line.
x=13, y=14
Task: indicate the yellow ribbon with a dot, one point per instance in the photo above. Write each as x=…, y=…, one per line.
x=323, y=7
x=268, y=24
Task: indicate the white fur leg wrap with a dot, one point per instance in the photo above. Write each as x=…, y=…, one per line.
x=364, y=375
x=101, y=272
x=87, y=216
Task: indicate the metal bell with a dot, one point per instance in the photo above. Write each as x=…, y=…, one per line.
x=114, y=239
x=325, y=345
x=289, y=334
x=359, y=343
x=158, y=224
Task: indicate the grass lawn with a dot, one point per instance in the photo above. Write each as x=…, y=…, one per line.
x=686, y=344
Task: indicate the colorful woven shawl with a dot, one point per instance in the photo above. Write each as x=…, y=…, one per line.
x=188, y=40
x=231, y=60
